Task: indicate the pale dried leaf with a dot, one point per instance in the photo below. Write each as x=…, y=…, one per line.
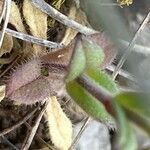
x=17, y=22
x=60, y=127
x=15, y=18
x=2, y=92
x=1, y=6
x=36, y=19
x=56, y=4
x=7, y=45
x=37, y=22
x=104, y=41
x=77, y=15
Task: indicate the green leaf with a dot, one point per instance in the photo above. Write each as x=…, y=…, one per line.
x=103, y=40
x=94, y=55
x=103, y=79
x=136, y=106
x=89, y=104
x=78, y=62
x=127, y=139
x=136, y=102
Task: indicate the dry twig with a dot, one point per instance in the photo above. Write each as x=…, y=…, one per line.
x=9, y=143
x=29, y=38
x=9, y=67
x=75, y=141
x=3, y=11
x=32, y=133
x=9, y=112
x=55, y=14
x=16, y=125
x=6, y=19
x=38, y=137
x=130, y=47
x=137, y=48
x=122, y=73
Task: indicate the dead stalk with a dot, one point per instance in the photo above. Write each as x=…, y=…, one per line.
x=130, y=47
x=16, y=125
x=55, y=14
x=32, y=39
x=32, y=132
x=75, y=141
x=6, y=19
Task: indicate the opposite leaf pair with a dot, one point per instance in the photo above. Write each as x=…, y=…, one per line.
x=28, y=84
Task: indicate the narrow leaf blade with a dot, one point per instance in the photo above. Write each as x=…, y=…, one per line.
x=126, y=138
x=89, y=104
x=78, y=61
x=136, y=106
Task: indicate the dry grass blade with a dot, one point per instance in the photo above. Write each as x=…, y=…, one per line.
x=9, y=143
x=55, y=14
x=77, y=138
x=16, y=125
x=9, y=67
x=122, y=73
x=130, y=47
x=6, y=20
x=3, y=10
x=32, y=133
x=4, y=111
x=38, y=137
x=110, y=4
x=137, y=48
x=2, y=92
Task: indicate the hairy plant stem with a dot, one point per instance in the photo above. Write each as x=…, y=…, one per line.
x=97, y=91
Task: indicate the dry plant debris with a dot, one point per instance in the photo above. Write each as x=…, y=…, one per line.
x=60, y=127
x=40, y=76
x=2, y=92
x=7, y=45
x=26, y=18
x=125, y=2
x=16, y=19
x=37, y=23
x=19, y=79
